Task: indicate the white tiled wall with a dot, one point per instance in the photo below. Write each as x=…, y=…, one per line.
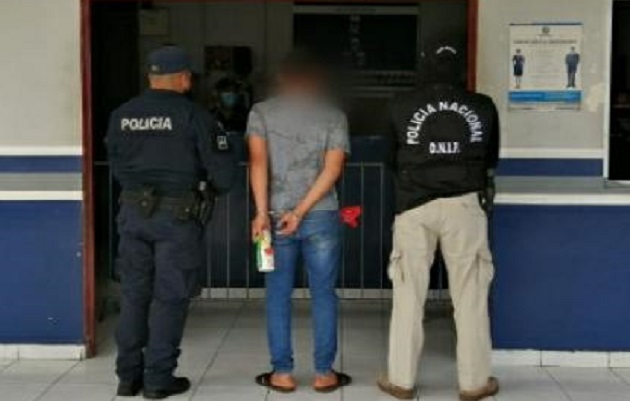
x=577, y=359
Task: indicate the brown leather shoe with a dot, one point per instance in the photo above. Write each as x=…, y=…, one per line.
x=395, y=391
x=489, y=390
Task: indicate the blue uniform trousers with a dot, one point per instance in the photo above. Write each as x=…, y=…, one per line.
x=159, y=262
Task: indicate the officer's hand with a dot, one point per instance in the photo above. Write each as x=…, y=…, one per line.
x=260, y=224
x=289, y=223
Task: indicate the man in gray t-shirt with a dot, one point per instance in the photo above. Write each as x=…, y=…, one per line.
x=298, y=143
x=298, y=133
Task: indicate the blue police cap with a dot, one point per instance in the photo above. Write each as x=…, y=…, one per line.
x=169, y=60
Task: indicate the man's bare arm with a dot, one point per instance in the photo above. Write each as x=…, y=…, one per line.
x=259, y=179
x=333, y=167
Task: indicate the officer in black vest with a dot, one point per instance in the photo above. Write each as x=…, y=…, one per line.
x=161, y=146
x=447, y=145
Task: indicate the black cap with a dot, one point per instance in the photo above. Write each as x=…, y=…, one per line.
x=447, y=52
x=444, y=56
x=169, y=60
x=444, y=64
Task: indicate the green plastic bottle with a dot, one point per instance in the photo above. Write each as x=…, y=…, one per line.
x=264, y=253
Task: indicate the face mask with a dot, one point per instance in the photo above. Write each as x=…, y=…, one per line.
x=229, y=99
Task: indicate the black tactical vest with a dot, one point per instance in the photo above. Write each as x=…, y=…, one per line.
x=446, y=139
x=153, y=143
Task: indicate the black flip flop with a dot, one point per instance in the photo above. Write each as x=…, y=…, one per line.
x=264, y=380
x=343, y=380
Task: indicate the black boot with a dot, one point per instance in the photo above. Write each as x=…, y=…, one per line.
x=129, y=389
x=179, y=385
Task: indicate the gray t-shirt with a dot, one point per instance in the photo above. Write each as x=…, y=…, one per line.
x=298, y=132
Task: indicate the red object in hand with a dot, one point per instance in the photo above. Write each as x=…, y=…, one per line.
x=350, y=215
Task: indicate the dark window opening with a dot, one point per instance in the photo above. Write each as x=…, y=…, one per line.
x=619, y=160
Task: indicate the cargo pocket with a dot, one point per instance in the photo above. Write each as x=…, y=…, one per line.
x=395, y=269
x=486, y=266
x=196, y=259
x=182, y=258
x=474, y=207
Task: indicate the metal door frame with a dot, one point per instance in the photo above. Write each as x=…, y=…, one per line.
x=89, y=280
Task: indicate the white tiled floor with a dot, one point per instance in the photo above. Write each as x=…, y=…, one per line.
x=225, y=348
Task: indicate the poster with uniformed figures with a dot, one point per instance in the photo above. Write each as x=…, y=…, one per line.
x=545, y=66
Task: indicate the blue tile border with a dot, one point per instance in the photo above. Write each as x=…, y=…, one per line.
x=49, y=164
x=551, y=167
x=507, y=167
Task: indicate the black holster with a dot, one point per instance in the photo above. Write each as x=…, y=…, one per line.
x=185, y=209
x=486, y=197
x=206, y=203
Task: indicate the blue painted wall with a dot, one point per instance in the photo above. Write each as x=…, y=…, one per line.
x=34, y=164
x=551, y=167
x=41, y=280
x=563, y=278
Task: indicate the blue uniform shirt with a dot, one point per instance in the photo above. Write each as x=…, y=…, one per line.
x=162, y=140
x=572, y=60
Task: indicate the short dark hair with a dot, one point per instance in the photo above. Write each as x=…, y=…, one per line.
x=301, y=62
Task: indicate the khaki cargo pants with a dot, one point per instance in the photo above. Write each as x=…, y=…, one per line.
x=460, y=226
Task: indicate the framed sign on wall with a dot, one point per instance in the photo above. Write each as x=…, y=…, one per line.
x=545, y=66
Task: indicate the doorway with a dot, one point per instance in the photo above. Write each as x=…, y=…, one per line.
x=121, y=33
x=114, y=52
x=619, y=143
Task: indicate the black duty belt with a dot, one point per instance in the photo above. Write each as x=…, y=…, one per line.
x=137, y=198
x=149, y=201
x=185, y=205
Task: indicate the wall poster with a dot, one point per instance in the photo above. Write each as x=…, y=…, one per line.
x=545, y=66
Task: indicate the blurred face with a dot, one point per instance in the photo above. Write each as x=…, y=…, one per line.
x=306, y=83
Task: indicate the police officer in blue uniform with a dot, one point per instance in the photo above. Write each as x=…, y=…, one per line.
x=161, y=146
x=447, y=145
x=572, y=61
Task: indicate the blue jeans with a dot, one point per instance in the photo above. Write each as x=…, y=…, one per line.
x=318, y=240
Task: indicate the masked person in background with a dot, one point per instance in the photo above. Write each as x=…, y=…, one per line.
x=231, y=109
x=447, y=143
x=298, y=143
